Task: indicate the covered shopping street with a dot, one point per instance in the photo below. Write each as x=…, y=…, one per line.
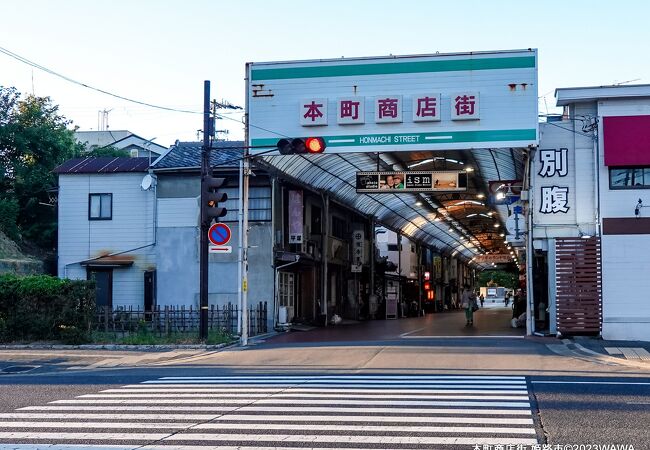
x=345, y=250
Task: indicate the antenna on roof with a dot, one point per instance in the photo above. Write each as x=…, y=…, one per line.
x=626, y=82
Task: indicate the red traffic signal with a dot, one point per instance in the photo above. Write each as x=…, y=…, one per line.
x=315, y=145
x=300, y=146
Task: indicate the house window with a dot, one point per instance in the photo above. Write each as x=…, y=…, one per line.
x=629, y=178
x=100, y=206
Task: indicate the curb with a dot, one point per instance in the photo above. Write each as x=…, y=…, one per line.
x=114, y=346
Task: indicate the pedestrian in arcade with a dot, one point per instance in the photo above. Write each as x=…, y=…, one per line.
x=468, y=302
x=482, y=299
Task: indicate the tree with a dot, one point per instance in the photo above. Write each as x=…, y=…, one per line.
x=34, y=139
x=499, y=277
x=107, y=151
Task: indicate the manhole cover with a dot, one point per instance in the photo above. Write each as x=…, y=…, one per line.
x=18, y=369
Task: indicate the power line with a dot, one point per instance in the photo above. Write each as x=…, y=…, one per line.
x=224, y=104
x=87, y=86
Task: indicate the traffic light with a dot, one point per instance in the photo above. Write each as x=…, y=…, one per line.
x=299, y=145
x=211, y=197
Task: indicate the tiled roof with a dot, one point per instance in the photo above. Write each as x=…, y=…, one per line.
x=188, y=154
x=103, y=165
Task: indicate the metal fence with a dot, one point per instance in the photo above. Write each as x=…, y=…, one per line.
x=167, y=320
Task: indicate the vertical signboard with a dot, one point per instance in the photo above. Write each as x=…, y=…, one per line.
x=295, y=217
x=554, y=187
x=357, y=250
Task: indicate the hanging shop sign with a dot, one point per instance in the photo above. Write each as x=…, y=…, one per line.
x=397, y=103
x=493, y=258
x=295, y=217
x=357, y=251
x=449, y=181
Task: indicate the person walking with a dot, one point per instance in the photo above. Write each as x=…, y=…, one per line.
x=482, y=299
x=468, y=302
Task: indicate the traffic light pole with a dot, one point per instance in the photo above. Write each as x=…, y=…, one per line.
x=203, y=245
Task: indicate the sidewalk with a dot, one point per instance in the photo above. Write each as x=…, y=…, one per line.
x=632, y=351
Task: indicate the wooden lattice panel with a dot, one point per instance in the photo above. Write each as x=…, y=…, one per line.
x=578, y=285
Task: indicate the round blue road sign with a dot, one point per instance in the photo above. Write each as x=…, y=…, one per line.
x=219, y=234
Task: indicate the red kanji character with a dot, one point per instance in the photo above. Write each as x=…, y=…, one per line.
x=465, y=105
x=350, y=109
x=387, y=107
x=426, y=107
x=312, y=111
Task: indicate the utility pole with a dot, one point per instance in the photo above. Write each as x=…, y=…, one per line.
x=243, y=232
x=203, y=240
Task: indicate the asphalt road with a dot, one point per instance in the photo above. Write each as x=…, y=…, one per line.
x=569, y=400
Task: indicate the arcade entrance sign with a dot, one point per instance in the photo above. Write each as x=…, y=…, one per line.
x=397, y=103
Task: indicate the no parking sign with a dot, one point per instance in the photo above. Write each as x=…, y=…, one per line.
x=219, y=235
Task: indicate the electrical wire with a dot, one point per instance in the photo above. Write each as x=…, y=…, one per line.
x=225, y=105
x=87, y=86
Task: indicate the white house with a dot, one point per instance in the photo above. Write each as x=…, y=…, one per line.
x=125, y=140
x=591, y=228
x=107, y=227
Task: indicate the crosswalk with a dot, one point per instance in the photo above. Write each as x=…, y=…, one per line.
x=283, y=412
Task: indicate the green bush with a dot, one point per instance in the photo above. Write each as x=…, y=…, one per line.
x=42, y=307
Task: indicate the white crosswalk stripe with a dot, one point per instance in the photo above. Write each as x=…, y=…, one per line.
x=276, y=412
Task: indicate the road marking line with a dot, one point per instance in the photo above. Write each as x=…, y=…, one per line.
x=104, y=425
x=282, y=409
x=76, y=415
x=288, y=418
x=382, y=419
x=359, y=383
x=85, y=436
x=293, y=402
x=591, y=382
x=324, y=391
x=357, y=377
x=318, y=438
x=282, y=387
x=340, y=428
x=308, y=397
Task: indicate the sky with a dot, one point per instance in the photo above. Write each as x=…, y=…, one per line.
x=161, y=51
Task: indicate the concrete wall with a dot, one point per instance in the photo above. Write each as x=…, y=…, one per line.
x=177, y=252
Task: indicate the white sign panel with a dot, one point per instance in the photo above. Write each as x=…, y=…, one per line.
x=465, y=106
x=426, y=108
x=313, y=112
x=388, y=109
x=351, y=111
x=431, y=102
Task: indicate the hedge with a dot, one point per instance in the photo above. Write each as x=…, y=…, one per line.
x=42, y=307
